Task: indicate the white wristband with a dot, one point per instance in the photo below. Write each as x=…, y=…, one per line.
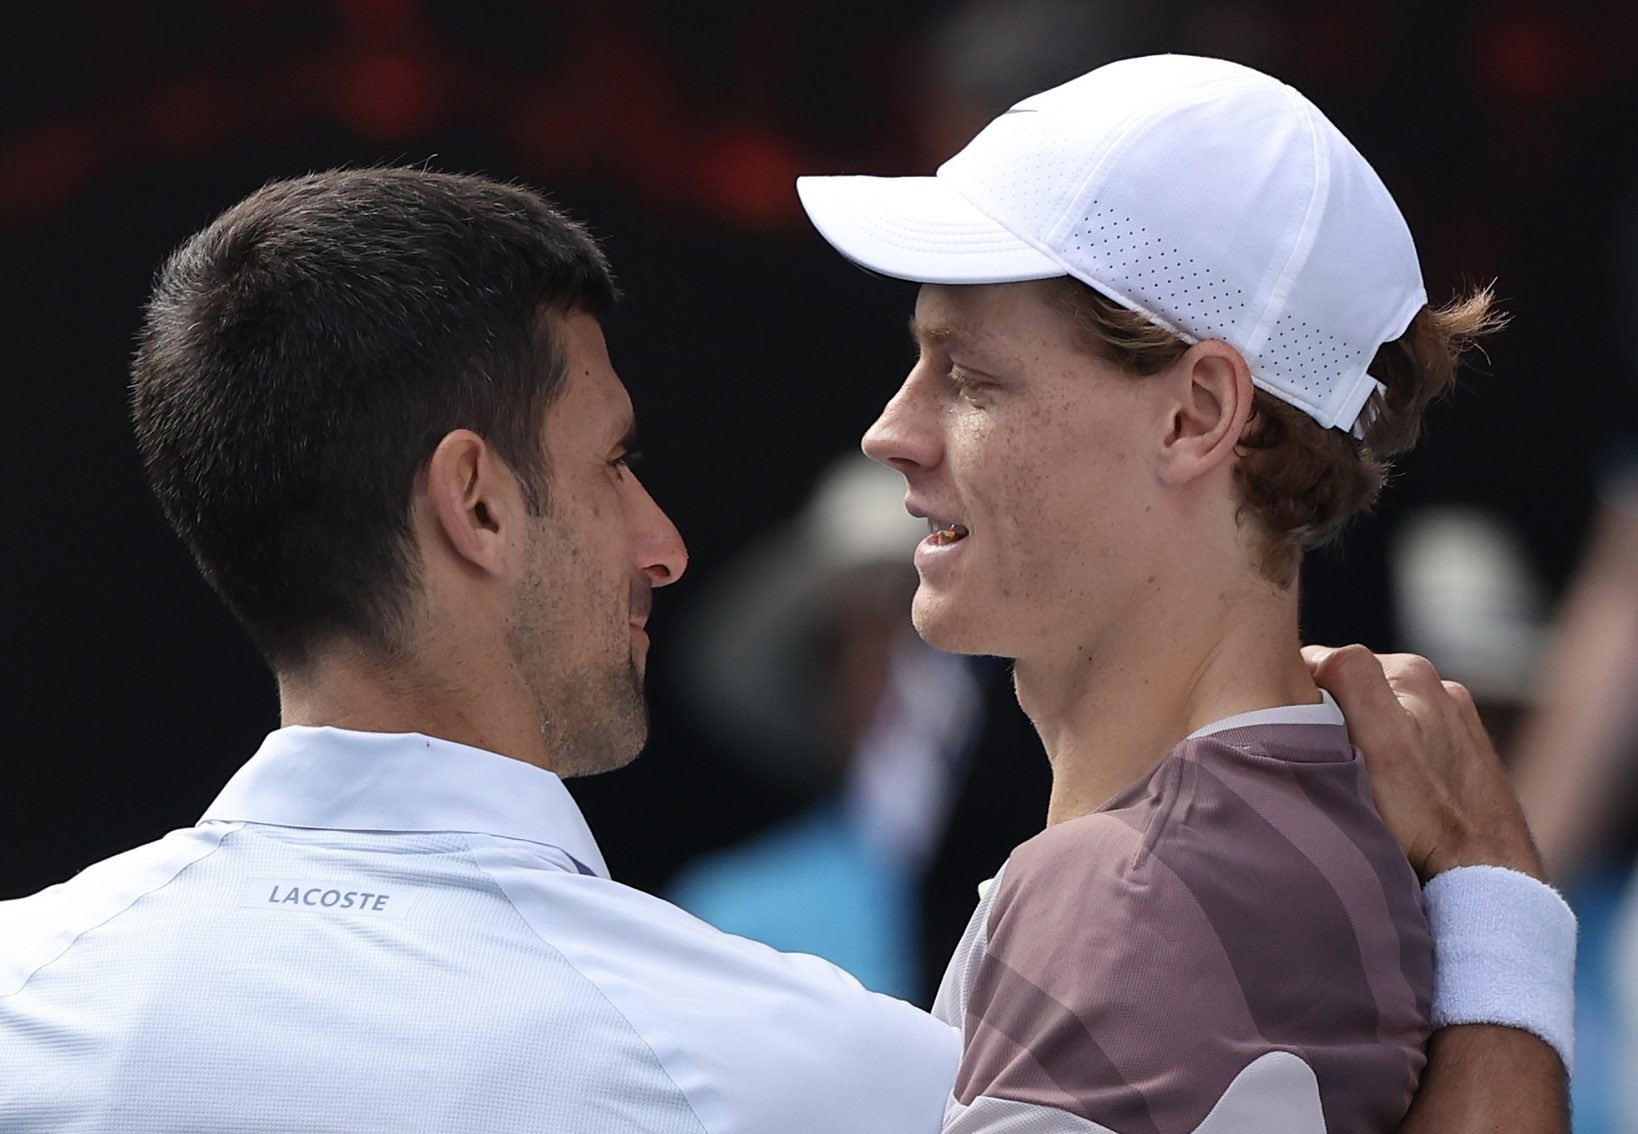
x=1503, y=953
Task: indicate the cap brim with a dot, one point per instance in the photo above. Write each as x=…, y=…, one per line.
x=918, y=229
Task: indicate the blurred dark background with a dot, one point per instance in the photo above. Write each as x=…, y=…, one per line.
x=753, y=353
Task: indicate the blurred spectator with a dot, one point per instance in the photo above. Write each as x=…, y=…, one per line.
x=1466, y=595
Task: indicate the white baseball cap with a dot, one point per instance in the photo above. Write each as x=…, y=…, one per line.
x=1208, y=197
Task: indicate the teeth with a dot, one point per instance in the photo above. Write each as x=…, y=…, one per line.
x=948, y=534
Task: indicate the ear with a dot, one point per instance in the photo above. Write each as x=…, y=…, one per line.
x=474, y=502
x=1210, y=408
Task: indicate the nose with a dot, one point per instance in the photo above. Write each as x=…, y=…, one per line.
x=903, y=436
x=657, y=546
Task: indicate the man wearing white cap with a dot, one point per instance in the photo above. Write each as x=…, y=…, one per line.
x=1172, y=326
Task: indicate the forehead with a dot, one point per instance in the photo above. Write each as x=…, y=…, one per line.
x=593, y=405
x=988, y=317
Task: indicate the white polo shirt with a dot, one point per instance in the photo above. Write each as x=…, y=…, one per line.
x=371, y=932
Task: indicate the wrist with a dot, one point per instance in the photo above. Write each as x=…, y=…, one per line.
x=1517, y=853
x=1504, y=953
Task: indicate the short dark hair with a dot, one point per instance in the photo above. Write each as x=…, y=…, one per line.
x=302, y=357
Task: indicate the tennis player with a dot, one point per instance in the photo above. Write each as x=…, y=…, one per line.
x=1171, y=329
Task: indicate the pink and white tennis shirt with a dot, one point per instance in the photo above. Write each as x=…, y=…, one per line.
x=1232, y=944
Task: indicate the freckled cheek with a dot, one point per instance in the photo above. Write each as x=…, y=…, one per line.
x=1050, y=518
x=979, y=460
x=1006, y=505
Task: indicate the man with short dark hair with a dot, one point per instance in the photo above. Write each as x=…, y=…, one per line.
x=377, y=406
x=1171, y=329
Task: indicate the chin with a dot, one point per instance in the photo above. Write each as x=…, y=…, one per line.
x=947, y=627
x=604, y=753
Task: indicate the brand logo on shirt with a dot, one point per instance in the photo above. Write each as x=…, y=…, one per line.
x=324, y=897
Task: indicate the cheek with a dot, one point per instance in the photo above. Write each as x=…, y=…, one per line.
x=587, y=551
x=1060, y=509
x=1018, y=478
x=597, y=516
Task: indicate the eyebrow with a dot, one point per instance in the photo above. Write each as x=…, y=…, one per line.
x=937, y=333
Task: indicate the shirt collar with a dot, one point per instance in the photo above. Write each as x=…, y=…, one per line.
x=372, y=781
x=1324, y=713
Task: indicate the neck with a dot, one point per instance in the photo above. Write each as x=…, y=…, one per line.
x=351, y=687
x=1108, y=715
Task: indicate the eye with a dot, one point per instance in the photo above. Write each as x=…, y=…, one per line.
x=968, y=385
x=626, y=460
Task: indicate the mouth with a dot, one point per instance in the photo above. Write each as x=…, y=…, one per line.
x=942, y=531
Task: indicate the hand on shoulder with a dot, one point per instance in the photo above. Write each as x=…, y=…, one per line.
x=1439, y=784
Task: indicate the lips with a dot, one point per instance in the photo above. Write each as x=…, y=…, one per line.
x=942, y=530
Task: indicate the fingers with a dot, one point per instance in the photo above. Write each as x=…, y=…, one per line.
x=1467, y=712
x=1356, y=676
x=1422, y=695
x=1438, y=782
x=1383, y=695
x=1459, y=693
x=1442, y=709
x=1359, y=681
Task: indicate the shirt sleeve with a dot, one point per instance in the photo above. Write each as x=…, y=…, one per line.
x=755, y=1039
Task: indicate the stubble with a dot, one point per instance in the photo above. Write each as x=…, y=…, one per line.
x=570, y=643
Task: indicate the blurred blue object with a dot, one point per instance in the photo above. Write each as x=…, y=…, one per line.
x=1599, y=1099
x=817, y=885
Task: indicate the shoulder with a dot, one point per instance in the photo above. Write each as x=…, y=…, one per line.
x=1249, y=867
x=1114, y=861
x=1226, y=907
x=1237, y=834
x=37, y=929
x=756, y=1038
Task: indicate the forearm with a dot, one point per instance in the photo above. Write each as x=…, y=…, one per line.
x=1487, y=1077
x=1482, y=1079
